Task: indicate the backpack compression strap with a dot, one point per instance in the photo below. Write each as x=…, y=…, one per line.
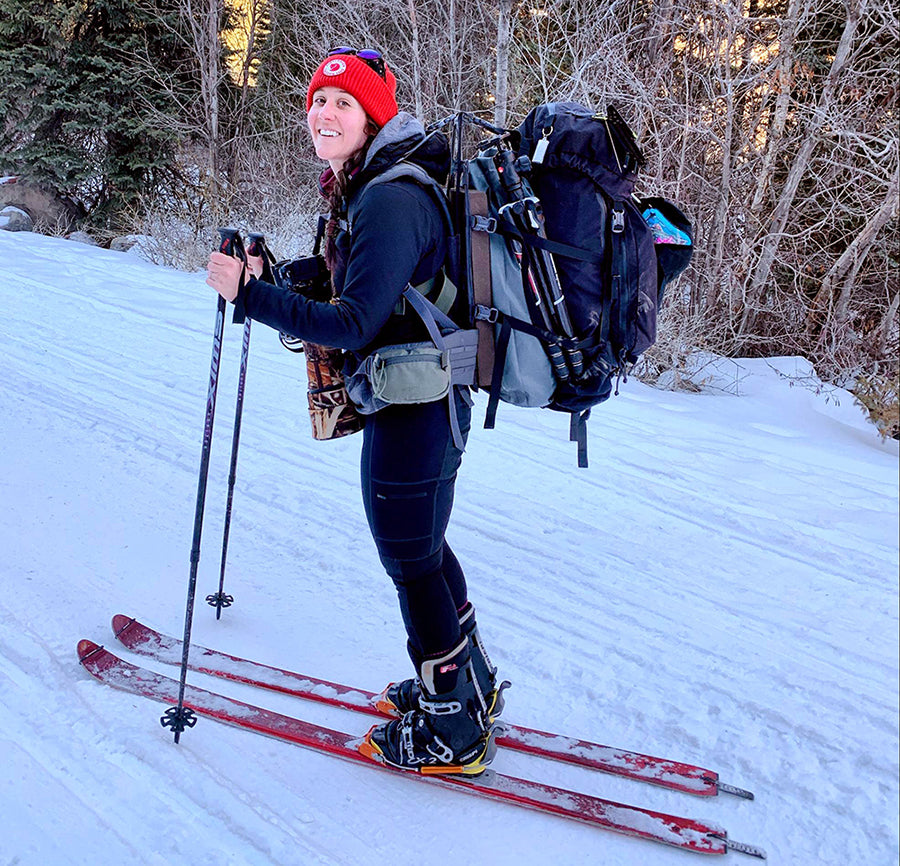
x=508, y=324
x=505, y=227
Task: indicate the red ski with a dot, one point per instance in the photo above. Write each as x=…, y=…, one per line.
x=671, y=830
x=678, y=776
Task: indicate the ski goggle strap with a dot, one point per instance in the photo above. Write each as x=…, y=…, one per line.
x=369, y=56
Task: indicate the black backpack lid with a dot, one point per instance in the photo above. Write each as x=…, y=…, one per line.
x=582, y=141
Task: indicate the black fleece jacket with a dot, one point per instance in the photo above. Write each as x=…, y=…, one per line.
x=398, y=239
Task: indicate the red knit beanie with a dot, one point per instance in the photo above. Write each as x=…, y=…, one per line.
x=374, y=93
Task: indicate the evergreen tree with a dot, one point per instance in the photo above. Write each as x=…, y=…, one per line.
x=84, y=99
x=33, y=43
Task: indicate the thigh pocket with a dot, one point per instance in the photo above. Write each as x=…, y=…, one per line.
x=403, y=519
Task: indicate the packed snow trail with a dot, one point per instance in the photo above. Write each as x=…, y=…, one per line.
x=719, y=587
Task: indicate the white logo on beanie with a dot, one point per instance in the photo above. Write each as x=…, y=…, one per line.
x=334, y=67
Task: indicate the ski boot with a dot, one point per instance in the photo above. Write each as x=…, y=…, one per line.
x=449, y=732
x=399, y=698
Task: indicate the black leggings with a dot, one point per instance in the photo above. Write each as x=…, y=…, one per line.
x=408, y=472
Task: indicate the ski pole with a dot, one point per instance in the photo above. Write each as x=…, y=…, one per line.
x=531, y=275
x=180, y=717
x=220, y=599
x=551, y=276
x=530, y=265
x=530, y=221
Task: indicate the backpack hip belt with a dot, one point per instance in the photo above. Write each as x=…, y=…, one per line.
x=424, y=372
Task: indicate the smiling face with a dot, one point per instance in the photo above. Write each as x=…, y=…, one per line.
x=338, y=124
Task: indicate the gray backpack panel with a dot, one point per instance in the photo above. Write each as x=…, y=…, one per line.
x=527, y=374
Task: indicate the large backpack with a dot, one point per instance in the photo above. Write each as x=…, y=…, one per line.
x=567, y=267
x=564, y=266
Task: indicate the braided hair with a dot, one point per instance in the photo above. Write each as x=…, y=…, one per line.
x=336, y=196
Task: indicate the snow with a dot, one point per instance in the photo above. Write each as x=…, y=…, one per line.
x=719, y=588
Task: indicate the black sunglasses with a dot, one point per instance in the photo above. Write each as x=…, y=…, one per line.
x=369, y=56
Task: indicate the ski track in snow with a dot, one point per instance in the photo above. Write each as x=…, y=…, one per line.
x=720, y=587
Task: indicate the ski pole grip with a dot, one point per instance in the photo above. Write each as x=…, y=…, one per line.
x=226, y=240
x=506, y=167
x=231, y=244
x=256, y=246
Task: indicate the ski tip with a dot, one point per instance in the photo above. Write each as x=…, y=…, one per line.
x=86, y=648
x=120, y=622
x=383, y=705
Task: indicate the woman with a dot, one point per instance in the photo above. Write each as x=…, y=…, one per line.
x=409, y=459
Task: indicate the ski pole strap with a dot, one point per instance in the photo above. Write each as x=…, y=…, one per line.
x=239, y=316
x=240, y=313
x=268, y=261
x=578, y=433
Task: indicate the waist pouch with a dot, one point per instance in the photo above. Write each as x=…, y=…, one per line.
x=413, y=372
x=419, y=372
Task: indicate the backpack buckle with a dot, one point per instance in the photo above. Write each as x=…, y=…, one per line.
x=486, y=314
x=618, y=220
x=483, y=224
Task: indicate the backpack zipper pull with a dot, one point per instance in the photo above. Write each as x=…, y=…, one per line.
x=540, y=149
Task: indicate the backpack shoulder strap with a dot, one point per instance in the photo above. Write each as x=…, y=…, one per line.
x=411, y=171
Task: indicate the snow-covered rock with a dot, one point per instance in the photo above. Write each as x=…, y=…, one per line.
x=14, y=219
x=123, y=243
x=81, y=238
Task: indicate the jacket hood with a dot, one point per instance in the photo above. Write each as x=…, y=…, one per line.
x=394, y=141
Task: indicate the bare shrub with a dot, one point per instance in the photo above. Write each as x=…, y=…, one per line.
x=773, y=123
x=879, y=394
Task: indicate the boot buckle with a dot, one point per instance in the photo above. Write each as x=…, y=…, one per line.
x=439, y=708
x=406, y=736
x=440, y=750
